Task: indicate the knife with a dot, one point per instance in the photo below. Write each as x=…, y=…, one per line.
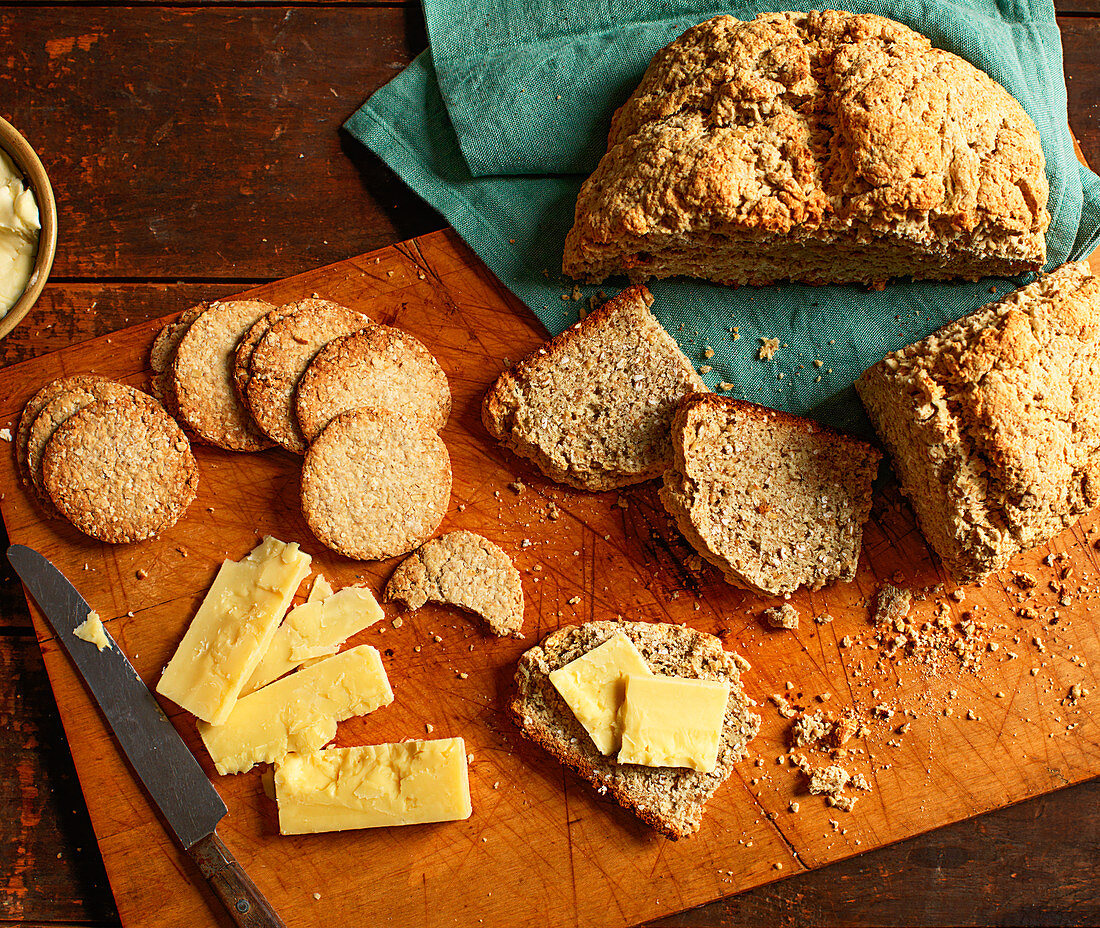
x=166, y=767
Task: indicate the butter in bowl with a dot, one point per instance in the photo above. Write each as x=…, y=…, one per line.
x=28, y=227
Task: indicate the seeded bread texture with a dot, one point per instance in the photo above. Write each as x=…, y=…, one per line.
x=467, y=571
x=993, y=422
x=379, y=366
x=592, y=407
x=281, y=357
x=202, y=376
x=670, y=799
x=375, y=484
x=120, y=470
x=819, y=147
x=775, y=501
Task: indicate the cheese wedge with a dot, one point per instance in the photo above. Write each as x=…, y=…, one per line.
x=232, y=629
x=92, y=631
x=316, y=628
x=673, y=721
x=320, y=591
x=298, y=713
x=593, y=685
x=373, y=786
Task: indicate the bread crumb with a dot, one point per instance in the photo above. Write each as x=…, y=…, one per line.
x=768, y=348
x=785, y=616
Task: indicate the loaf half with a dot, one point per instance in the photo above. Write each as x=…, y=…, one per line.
x=592, y=407
x=775, y=501
x=670, y=799
x=993, y=422
x=821, y=147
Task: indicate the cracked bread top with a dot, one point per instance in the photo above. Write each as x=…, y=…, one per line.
x=814, y=125
x=993, y=421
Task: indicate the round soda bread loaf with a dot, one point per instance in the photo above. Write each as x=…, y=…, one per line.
x=281, y=357
x=379, y=366
x=464, y=570
x=120, y=469
x=375, y=484
x=822, y=147
x=202, y=376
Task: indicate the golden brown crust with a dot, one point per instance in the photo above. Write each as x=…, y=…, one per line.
x=993, y=422
x=820, y=147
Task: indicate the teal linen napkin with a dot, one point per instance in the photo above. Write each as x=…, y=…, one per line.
x=498, y=123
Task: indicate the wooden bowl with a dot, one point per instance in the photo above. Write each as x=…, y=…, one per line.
x=35, y=175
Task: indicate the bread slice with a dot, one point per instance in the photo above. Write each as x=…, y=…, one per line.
x=993, y=422
x=670, y=799
x=774, y=501
x=822, y=147
x=592, y=408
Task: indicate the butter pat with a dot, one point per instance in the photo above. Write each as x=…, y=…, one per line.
x=92, y=631
x=373, y=786
x=232, y=630
x=316, y=628
x=298, y=713
x=19, y=230
x=673, y=722
x=594, y=684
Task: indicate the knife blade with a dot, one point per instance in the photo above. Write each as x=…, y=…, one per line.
x=175, y=782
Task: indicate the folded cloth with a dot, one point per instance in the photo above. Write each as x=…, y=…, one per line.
x=498, y=123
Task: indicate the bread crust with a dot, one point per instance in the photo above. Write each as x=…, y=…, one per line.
x=819, y=147
x=993, y=421
x=591, y=407
x=669, y=799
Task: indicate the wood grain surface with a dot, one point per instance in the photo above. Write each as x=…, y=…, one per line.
x=942, y=743
x=89, y=104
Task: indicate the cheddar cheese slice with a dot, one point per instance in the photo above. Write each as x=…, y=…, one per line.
x=316, y=628
x=232, y=629
x=373, y=786
x=299, y=712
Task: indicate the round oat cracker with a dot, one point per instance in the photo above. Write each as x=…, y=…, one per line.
x=31, y=410
x=381, y=367
x=120, y=470
x=375, y=484
x=281, y=357
x=163, y=353
x=242, y=356
x=202, y=376
x=78, y=393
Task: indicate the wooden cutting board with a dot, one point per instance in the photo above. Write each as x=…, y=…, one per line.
x=541, y=847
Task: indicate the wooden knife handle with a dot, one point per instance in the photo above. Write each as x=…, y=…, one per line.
x=242, y=900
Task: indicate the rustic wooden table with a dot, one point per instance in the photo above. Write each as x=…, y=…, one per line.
x=195, y=150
